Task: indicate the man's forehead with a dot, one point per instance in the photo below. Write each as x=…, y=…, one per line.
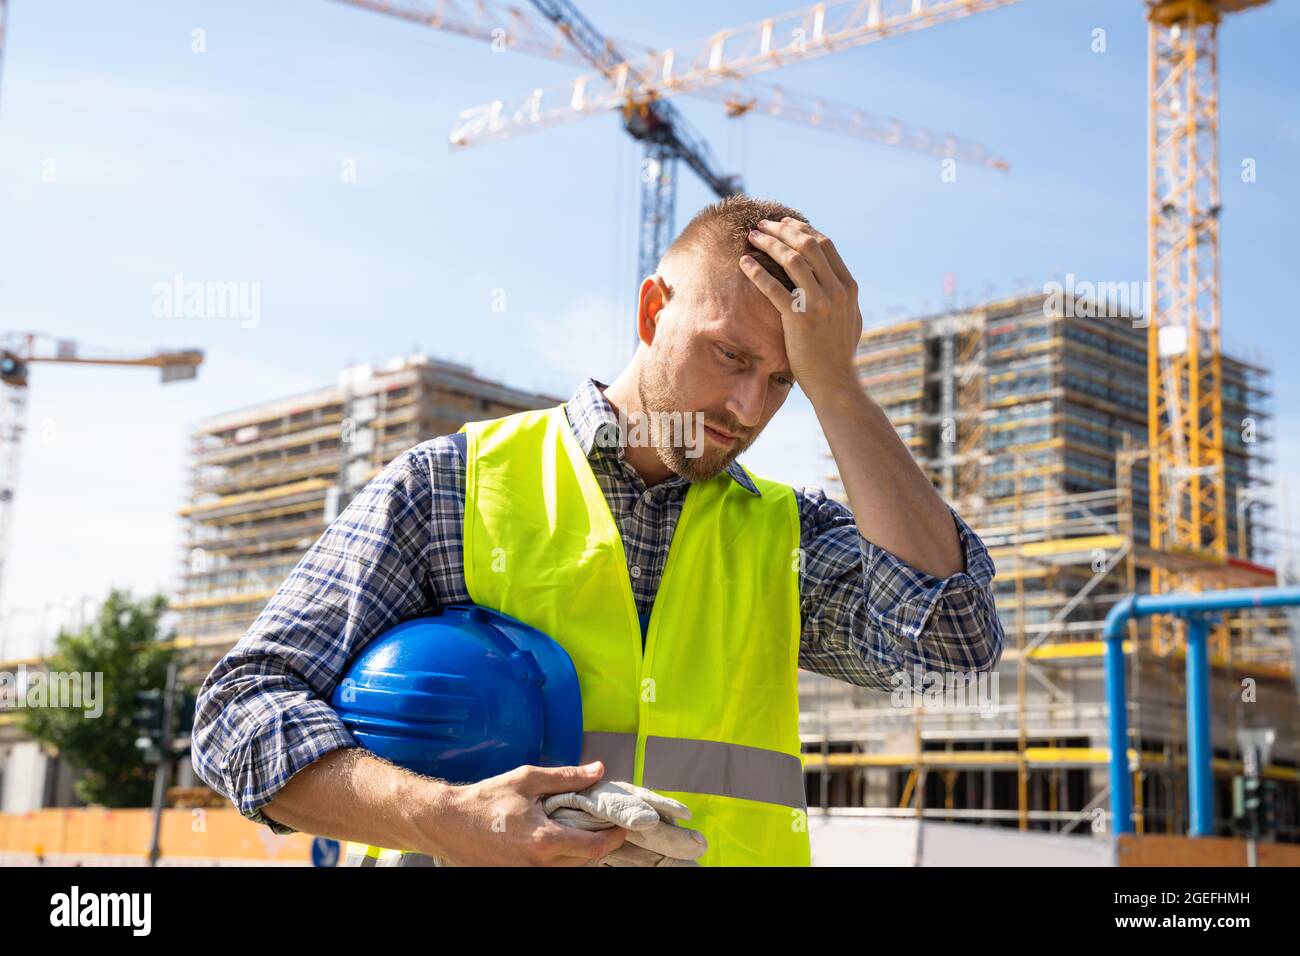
x=738, y=311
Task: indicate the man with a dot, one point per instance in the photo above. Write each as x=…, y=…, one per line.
x=565, y=518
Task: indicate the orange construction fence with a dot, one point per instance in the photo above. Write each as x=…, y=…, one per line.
x=95, y=834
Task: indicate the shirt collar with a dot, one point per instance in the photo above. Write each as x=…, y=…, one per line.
x=591, y=415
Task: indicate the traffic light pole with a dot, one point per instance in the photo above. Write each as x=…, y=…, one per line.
x=163, y=771
x=1251, y=766
x=1254, y=809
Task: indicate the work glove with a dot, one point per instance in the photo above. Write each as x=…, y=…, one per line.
x=653, y=838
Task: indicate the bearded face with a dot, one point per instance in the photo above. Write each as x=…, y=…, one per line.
x=712, y=370
x=695, y=443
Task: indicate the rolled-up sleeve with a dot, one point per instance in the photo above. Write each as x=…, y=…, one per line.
x=869, y=616
x=263, y=713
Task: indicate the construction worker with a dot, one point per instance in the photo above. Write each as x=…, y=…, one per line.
x=687, y=590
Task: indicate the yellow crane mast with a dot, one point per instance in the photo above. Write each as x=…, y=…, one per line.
x=1188, y=482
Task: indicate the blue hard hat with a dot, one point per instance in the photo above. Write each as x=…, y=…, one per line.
x=465, y=694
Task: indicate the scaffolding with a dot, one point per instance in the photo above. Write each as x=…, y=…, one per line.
x=267, y=480
x=1030, y=415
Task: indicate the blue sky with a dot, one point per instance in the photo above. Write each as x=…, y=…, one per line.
x=226, y=166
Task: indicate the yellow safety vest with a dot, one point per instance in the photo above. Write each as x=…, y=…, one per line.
x=708, y=713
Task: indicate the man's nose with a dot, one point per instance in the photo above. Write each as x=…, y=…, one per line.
x=746, y=403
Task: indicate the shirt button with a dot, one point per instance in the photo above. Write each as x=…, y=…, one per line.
x=636, y=571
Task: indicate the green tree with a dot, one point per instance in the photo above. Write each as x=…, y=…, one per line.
x=122, y=644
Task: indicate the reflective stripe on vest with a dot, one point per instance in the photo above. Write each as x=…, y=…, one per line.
x=707, y=711
x=616, y=751
x=701, y=766
x=360, y=854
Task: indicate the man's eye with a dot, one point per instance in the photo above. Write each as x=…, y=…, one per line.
x=785, y=382
x=731, y=355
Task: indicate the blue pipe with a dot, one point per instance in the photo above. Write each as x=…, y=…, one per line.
x=1196, y=609
x=1200, y=779
x=1121, y=798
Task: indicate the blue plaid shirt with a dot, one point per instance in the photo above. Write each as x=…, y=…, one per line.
x=395, y=552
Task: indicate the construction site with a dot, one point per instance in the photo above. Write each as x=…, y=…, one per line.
x=1033, y=422
x=1106, y=453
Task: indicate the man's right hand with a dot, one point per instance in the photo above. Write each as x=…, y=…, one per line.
x=500, y=821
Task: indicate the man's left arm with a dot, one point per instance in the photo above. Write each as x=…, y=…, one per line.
x=896, y=506
x=873, y=620
x=915, y=550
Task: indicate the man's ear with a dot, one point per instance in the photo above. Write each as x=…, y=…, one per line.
x=653, y=298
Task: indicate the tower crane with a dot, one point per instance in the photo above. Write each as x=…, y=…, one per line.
x=726, y=57
x=658, y=125
x=638, y=88
x=1188, y=481
x=563, y=33
x=20, y=351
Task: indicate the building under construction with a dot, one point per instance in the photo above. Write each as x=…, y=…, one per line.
x=1030, y=415
x=269, y=478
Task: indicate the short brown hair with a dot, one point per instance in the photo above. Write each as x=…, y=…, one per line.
x=723, y=229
